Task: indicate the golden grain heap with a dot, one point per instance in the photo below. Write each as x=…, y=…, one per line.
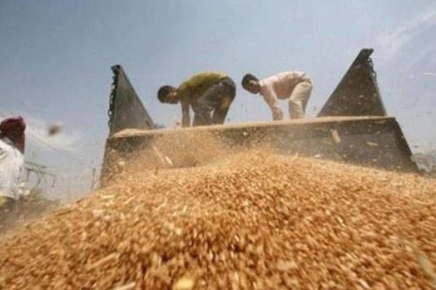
x=254, y=220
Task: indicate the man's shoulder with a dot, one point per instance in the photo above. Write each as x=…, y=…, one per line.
x=7, y=148
x=6, y=143
x=209, y=75
x=213, y=72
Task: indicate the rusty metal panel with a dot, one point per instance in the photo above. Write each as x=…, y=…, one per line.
x=125, y=108
x=367, y=141
x=357, y=94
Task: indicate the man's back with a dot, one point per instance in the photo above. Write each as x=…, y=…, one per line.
x=282, y=83
x=195, y=86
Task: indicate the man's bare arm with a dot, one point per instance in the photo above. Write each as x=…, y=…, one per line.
x=272, y=101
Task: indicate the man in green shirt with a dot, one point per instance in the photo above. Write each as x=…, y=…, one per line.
x=209, y=94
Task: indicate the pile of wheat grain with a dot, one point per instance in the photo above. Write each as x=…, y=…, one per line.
x=251, y=221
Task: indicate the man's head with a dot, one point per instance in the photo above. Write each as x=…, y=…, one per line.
x=251, y=83
x=168, y=94
x=14, y=128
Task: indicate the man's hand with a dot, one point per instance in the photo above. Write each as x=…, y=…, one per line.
x=277, y=114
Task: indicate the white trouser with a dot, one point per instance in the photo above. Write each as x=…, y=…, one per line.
x=298, y=99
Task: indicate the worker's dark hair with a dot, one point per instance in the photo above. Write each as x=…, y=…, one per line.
x=163, y=92
x=247, y=78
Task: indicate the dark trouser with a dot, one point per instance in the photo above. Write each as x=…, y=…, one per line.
x=212, y=107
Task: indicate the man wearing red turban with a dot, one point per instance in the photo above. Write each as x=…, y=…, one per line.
x=13, y=128
x=12, y=143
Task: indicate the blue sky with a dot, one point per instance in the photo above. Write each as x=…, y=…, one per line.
x=56, y=56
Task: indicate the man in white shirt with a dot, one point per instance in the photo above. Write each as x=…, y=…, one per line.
x=12, y=143
x=293, y=86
